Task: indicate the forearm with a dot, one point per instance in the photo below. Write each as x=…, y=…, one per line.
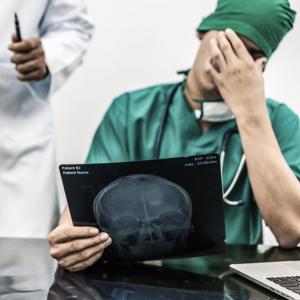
x=276, y=188
x=66, y=31
x=65, y=218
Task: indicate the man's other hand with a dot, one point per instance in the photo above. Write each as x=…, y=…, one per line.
x=76, y=248
x=29, y=58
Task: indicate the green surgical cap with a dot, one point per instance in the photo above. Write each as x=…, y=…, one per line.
x=264, y=22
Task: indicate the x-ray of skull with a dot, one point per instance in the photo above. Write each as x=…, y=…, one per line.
x=147, y=216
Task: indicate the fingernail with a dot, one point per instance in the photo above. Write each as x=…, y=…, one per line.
x=10, y=47
x=104, y=236
x=94, y=231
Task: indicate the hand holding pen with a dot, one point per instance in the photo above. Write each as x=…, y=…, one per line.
x=28, y=55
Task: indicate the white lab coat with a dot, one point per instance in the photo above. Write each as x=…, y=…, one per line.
x=28, y=196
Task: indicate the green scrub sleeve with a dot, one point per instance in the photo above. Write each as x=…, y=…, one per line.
x=286, y=126
x=110, y=142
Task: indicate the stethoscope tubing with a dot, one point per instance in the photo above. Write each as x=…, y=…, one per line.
x=163, y=122
x=225, y=142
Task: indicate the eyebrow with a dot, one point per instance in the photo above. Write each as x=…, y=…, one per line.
x=255, y=51
x=250, y=46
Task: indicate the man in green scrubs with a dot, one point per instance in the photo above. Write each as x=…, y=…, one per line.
x=224, y=89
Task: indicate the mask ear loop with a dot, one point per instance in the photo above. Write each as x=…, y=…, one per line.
x=197, y=112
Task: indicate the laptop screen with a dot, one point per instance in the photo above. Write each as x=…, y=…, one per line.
x=151, y=209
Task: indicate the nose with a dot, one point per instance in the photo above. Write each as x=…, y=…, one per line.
x=150, y=233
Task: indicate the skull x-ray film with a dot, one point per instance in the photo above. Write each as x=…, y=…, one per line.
x=152, y=209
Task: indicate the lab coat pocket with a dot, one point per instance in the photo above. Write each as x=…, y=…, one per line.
x=21, y=115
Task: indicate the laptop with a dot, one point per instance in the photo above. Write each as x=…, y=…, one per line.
x=152, y=209
x=282, y=277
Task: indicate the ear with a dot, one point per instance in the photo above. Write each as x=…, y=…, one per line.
x=200, y=35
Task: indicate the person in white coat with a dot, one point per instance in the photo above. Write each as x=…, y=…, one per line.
x=55, y=36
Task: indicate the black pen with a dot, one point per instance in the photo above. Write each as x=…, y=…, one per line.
x=17, y=27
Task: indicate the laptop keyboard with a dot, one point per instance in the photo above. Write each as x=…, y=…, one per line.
x=292, y=283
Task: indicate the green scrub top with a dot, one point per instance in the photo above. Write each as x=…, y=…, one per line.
x=128, y=132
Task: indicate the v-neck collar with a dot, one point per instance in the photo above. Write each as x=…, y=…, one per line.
x=188, y=122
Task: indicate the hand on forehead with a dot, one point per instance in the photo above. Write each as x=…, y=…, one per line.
x=235, y=40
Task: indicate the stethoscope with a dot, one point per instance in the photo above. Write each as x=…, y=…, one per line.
x=225, y=142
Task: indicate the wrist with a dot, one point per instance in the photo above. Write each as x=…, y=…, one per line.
x=253, y=119
x=46, y=71
x=248, y=106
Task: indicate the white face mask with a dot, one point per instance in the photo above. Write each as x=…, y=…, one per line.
x=211, y=110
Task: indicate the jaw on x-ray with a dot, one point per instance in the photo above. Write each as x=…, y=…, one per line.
x=147, y=216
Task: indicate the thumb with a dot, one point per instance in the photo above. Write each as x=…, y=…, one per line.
x=261, y=63
x=14, y=38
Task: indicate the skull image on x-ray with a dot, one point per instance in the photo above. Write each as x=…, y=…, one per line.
x=146, y=216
